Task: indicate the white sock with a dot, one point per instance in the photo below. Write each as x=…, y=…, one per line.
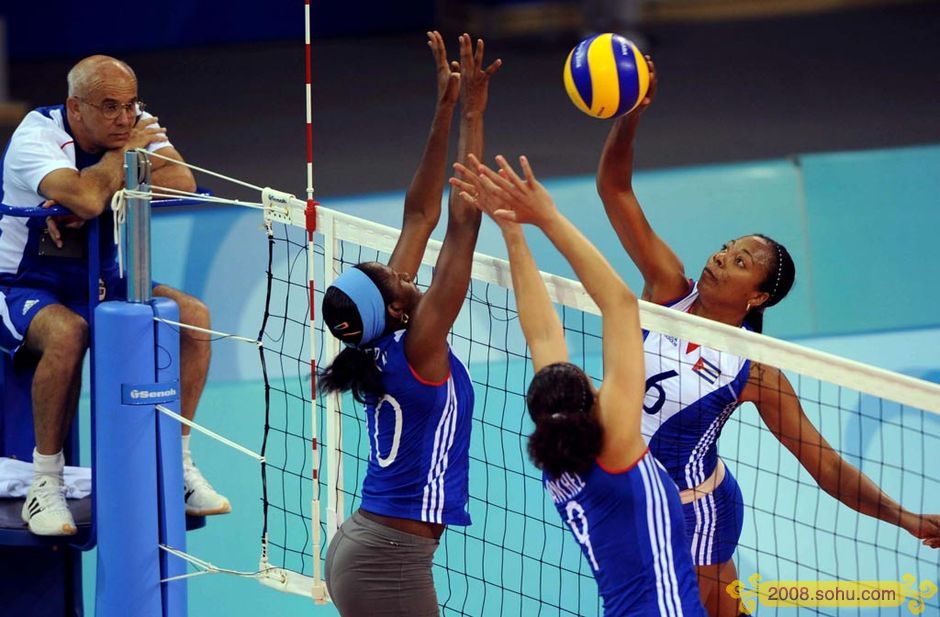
x=187, y=457
x=49, y=465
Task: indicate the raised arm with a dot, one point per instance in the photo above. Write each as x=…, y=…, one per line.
x=426, y=345
x=525, y=200
x=663, y=273
x=770, y=390
x=423, y=199
x=537, y=317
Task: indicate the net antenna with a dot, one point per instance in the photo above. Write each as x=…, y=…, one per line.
x=285, y=579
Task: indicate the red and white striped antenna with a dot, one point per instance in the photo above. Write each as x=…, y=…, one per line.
x=311, y=204
x=311, y=226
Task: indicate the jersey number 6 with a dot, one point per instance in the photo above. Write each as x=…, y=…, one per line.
x=653, y=382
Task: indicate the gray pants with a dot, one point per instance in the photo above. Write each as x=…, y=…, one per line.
x=375, y=571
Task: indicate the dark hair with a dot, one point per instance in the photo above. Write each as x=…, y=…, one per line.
x=568, y=435
x=779, y=281
x=353, y=368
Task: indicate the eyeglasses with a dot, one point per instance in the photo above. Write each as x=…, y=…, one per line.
x=113, y=109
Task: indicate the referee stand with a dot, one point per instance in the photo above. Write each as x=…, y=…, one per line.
x=136, y=505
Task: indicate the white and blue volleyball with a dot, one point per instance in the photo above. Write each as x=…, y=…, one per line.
x=606, y=76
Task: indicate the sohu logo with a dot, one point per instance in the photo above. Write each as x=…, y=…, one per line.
x=149, y=394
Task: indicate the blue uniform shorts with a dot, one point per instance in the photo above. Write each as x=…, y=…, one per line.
x=713, y=523
x=20, y=305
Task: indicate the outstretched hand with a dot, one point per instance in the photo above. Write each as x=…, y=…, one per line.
x=633, y=117
x=650, y=91
x=504, y=195
x=474, y=79
x=469, y=186
x=927, y=528
x=448, y=73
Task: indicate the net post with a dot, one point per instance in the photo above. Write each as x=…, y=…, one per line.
x=126, y=473
x=137, y=179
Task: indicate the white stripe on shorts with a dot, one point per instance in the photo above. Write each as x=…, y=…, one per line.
x=7, y=322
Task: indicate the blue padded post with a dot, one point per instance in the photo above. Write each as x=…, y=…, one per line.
x=127, y=520
x=170, y=463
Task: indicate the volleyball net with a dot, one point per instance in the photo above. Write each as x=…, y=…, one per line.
x=516, y=557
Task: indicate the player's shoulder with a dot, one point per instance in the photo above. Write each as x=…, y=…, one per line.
x=761, y=377
x=43, y=123
x=49, y=117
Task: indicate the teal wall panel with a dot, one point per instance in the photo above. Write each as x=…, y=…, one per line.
x=873, y=220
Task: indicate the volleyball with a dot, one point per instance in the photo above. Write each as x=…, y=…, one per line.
x=606, y=76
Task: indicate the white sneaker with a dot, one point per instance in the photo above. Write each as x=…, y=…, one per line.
x=201, y=499
x=45, y=510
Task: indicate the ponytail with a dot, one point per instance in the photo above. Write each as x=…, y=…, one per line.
x=353, y=369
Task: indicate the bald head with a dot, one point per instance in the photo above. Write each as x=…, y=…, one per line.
x=94, y=71
x=97, y=84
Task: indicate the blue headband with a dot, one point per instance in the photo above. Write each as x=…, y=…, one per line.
x=368, y=300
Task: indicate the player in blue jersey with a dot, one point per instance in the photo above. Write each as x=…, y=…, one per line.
x=418, y=395
x=692, y=391
x=73, y=155
x=620, y=504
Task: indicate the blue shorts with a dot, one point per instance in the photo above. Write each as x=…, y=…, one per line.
x=713, y=523
x=20, y=305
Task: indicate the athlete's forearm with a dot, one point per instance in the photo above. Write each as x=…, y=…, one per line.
x=423, y=200
x=615, y=169
x=88, y=194
x=469, y=141
x=853, y=488
x=537, y=316
x=600, y=280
